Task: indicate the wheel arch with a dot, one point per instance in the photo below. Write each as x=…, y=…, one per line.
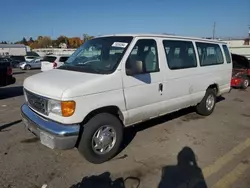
x=214, y=86
x=112, y=109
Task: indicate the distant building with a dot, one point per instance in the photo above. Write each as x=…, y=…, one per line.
x=13, y=49
x=239, y=46
x=55, y=51
x=63, y=45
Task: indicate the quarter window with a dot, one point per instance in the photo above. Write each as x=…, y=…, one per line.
x=145, y=50
x=227, y=53
x=180, y=54
x=209, y=54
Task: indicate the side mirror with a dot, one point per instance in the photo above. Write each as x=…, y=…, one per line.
x=135, y=67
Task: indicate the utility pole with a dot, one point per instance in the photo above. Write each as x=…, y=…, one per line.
x=249, y=31
x=214, y=30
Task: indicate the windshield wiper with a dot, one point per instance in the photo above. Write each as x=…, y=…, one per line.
x=90, y=67
x=81, y=67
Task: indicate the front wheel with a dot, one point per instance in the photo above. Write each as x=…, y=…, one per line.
x=27, y=67
x=207, y=105
x=101, y=138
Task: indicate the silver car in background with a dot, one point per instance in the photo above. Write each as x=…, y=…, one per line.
x=33, y=64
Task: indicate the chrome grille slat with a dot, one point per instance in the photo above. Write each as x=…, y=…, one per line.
x=37, y=102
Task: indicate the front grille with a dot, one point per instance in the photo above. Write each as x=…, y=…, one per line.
x=37, y=102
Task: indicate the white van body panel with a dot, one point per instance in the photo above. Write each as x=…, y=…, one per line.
x=141, y=92
x=54, y=83
x=137, y=97
x=89, y=91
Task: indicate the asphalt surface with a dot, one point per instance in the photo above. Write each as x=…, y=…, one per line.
x=177, y=150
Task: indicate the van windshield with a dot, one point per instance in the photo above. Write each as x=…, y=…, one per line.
x=99, y=55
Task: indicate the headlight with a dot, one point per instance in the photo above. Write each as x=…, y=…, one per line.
x=62, y=108
x=54, y=106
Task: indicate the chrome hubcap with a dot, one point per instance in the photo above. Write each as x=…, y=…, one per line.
x=210, y=102
x=103, y=140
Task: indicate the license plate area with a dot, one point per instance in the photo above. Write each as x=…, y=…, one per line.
x=47, y=140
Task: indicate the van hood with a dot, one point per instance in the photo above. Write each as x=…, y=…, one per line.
x=53, y=83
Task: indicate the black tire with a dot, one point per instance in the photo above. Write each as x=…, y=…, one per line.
x=85, y=144
x=27, y=67
x=245, y=83
x=202, y=108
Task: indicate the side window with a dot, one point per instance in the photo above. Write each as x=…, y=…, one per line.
x=180, y=54
x=209, y=54
x=145, y=50
x=63, y=59
x=227, y=53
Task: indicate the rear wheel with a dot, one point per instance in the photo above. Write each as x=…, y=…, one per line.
x=245, y=83
x=101, y=138
x=27, y=67
x=207, y=105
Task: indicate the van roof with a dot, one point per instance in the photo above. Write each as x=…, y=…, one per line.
x=165, y=36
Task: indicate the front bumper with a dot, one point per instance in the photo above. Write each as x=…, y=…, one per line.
x=53, y=135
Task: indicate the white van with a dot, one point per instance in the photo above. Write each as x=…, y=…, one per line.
x=112, y=82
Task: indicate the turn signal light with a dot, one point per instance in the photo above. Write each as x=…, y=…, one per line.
x=68, y=108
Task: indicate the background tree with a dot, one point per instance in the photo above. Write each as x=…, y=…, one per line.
x=87, y=37
x=24, y=41
x=62, y=39
x=31, y=40
x=74, y=42
x=44, y=42
x=39, y=37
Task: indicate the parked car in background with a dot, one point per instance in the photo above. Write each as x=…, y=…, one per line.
x=50, y=62
x=241, y=63
x=6, y=75
x=34, y=64
x=30, y=58
x=18, y=58
x=241, y=72
x=240, y=80
x=15, y=63
x=115, y=81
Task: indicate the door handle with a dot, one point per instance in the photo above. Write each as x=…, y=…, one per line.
x=160, y=87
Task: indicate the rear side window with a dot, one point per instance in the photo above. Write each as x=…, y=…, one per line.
x=49, y=58
x=30, y=57
x=209, y=54
x=180, y=54
x=240, y=62
x=18, y=58
x=227, y=53
x=63, y=59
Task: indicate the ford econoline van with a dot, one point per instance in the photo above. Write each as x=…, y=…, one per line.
x=114, y=81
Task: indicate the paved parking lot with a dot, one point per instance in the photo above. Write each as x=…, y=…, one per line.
x=155, y=153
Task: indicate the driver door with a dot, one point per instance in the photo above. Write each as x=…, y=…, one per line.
x=143, y=92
